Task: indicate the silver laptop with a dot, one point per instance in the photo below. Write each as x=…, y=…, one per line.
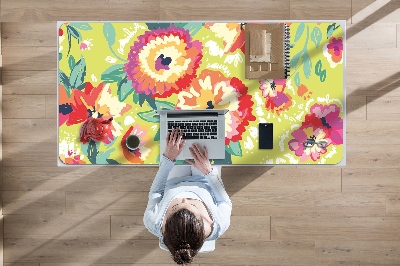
x=204, y=127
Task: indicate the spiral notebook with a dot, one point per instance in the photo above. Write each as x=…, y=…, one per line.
x=267, y=51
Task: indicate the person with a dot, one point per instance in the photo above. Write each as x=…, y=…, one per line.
x=187, y=204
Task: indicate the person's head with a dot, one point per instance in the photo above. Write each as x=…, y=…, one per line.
x=184, y=235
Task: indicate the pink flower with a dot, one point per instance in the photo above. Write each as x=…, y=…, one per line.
x=277, y=100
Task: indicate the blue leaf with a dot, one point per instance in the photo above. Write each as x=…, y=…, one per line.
x=112, y=161
x=307, y=65
x=81, y=25
x=299, y=32
x=316, y=36
x=109, y=33
x=71, y=62
x=149, y=116
x=78, y=73
x=297, y=79
x=135, y=97
x=124, y=89
x=102, y=157
x=114, y=73
x=331, y=28
x=154, y=26
x=151, y=101
x=64, y=80
x=234, y=148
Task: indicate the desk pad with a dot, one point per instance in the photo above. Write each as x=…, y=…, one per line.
x=126, y=70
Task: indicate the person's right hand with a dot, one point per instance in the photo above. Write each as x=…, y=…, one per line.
x=200, y=157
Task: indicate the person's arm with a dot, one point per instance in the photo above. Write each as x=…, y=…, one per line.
x=222, y=199
x=213, y=177
x=156, y=194
x=173, y=148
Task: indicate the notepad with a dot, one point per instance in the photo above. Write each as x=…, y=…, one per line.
x=267, y=51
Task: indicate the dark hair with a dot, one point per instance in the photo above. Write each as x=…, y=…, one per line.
x=184, y=235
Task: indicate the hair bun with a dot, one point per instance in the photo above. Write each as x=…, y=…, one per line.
x=183, y=255
x=184, y=245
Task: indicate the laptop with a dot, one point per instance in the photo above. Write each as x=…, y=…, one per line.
x=204, y=127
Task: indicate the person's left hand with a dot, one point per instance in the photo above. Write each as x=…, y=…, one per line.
x=174, y=145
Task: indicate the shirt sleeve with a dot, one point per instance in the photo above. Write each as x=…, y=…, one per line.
x=156, y=194
x=223, y=201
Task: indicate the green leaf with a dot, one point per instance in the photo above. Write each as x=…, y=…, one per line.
x=135, y=97
x=318, y=67
x=316, y=36
x=74, y=33
x=234, y=148
x=60, y=56
x=154, y=26
x=164, y=105
x=64, y=80
x=112, y=161
x=151, y=101
x=149, y=116
x=81, y=25
x=307, y=65
x=92, y=151
x=82, y=86
x=227, y=160
x=71, y=62
x=331, y=28
x=114, y=73
x=157, y=136
x=322, y=75
x=109, y=33
x=102, y=157
x=297, y=79
x=193, y=27
x=299, y=32
x=158, y=159
x=294, y=61
x=124, y=89
x=78, y=73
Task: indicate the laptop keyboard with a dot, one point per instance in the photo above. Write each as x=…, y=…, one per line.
x=196, y=129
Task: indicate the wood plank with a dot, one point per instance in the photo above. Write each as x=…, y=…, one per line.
x=21, y=264
x=77, y=178
x=397, y=35
x=373, y=131
x=123, y=10
x=24, y=106
x=208, y=10
x=113, y=264
x=304, y=9
x=129, y=227
x=309, y=204
x=393, y=204
x=51, y=106
x=384, y=35
x=33, y=202
x=358, y=6
x=372, y=155
x=53, y=226
x=45, y=62
x=265, y=180
x=28, y=34
x=107, y=203
x=374, y=75
x=383, y=108
x=228, y=251
x=335, y=228
x=30, y=82
x=364, y=252
x=30, y=154
x=356, y=108
x=381, y=180
x=29, y=130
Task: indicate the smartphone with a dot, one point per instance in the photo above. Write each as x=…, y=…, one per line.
x=266, y=136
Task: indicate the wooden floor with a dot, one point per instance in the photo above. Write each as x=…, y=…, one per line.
x=281, y=215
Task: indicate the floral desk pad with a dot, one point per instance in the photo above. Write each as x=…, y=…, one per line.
x=126, y=70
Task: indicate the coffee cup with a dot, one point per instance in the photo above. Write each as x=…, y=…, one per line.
x=132, y=142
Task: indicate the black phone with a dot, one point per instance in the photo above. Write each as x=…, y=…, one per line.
x=266, y=136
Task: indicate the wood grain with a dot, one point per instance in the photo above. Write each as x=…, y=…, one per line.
x=53, y=226
x=24, y=106
x=363, y=252
x=30, y=154
x=326, y=9
x=383, y=108
x=335, y=228
x=30, y=82
x=208, y=10
x=381, y=180
x=129, y=227
x=356, y=108
x=359, y=6
x=382, y=155
x=29, y=130
x=393, y=204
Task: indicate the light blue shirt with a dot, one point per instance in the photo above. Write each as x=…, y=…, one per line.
x=209, y=188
